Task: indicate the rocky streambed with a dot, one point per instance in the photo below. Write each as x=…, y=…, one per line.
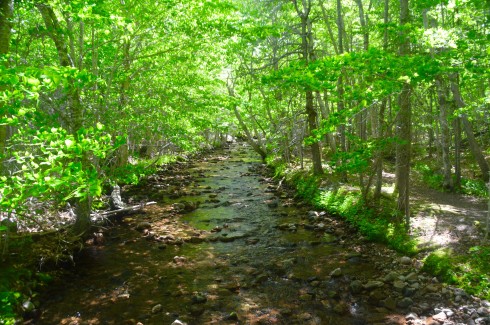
x=227, y=245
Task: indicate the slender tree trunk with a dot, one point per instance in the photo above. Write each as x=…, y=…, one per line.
x=257, y=148
x=329, y=28
x=474, y=146
x=325, y=113
x=386, y=20
x=445, y=134
x=340, y=83
x=403, y=128
x=380, y=155
x=457, y=152
x=308, y=56
x=363, y=20
x=430, y=130
x=6, y=11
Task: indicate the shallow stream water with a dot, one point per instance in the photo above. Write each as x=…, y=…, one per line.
x=254, y=261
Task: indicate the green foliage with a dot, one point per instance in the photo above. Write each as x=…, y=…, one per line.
x=8, y=301
x=441, y=264
x=435, y=180
x=376, y=225
x=469, y=271
x=432, y=179
x=474, y=187
x=54, y=166
x=474, y=277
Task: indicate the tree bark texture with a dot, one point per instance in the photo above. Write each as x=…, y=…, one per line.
x=474, y=146
x=403, y=129
x=308, y=56
x=6, y=11
x=445, y=134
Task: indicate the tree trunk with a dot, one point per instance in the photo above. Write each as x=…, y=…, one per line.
x=445, y=134
x=474, y=146
x=457, y=153
x=325, y=113
x=329, y=28
x=386, y=20
x=380, y=131
x=403, y=129
x=82, y=205
x=340, y=84
x=6, y=11
x=257, y=148
x=308, y=56
x=363, y=21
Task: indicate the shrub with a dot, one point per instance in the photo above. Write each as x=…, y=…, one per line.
x=441, y=265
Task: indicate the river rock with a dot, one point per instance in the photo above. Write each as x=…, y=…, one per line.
x=143, y=226
x=399, y=285
x=179, y=259
x=373, y=284
x=28, y=306
x=376, y=297
x=405, y=260
x=178, y=206
x=356, y=286
x=409, y=291
x=320, y=226
x=341, y=308
x=440, y=317
x=306, y=297
x=336, y=273
x=390, y=303
x=412, y=277
x=390, y=277
x=232, y=316
x=195, y=240
x=405, y=302
x=199, y=298
x=156, y=309
x=483, y=311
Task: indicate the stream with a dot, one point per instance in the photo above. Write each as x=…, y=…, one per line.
x=224, y=245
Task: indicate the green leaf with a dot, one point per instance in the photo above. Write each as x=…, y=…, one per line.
x=69, y=143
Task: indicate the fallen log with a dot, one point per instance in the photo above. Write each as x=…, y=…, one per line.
x=123, y=211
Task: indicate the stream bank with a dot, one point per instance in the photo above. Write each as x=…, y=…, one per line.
x=227, y=245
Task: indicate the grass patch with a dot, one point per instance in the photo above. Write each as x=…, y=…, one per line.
x=475, y=187
x=440, y=264
x=469, y=272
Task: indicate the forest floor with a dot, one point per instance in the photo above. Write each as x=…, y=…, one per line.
x=447, y=220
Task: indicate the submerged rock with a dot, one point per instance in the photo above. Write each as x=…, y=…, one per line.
x=370, y=285
x=199, y=298
x=156, y=309
x=336, y=273
x=405, y=260
x=143, y=226
x=356, y=286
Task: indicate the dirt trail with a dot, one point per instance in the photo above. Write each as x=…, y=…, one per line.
x=448, y=220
